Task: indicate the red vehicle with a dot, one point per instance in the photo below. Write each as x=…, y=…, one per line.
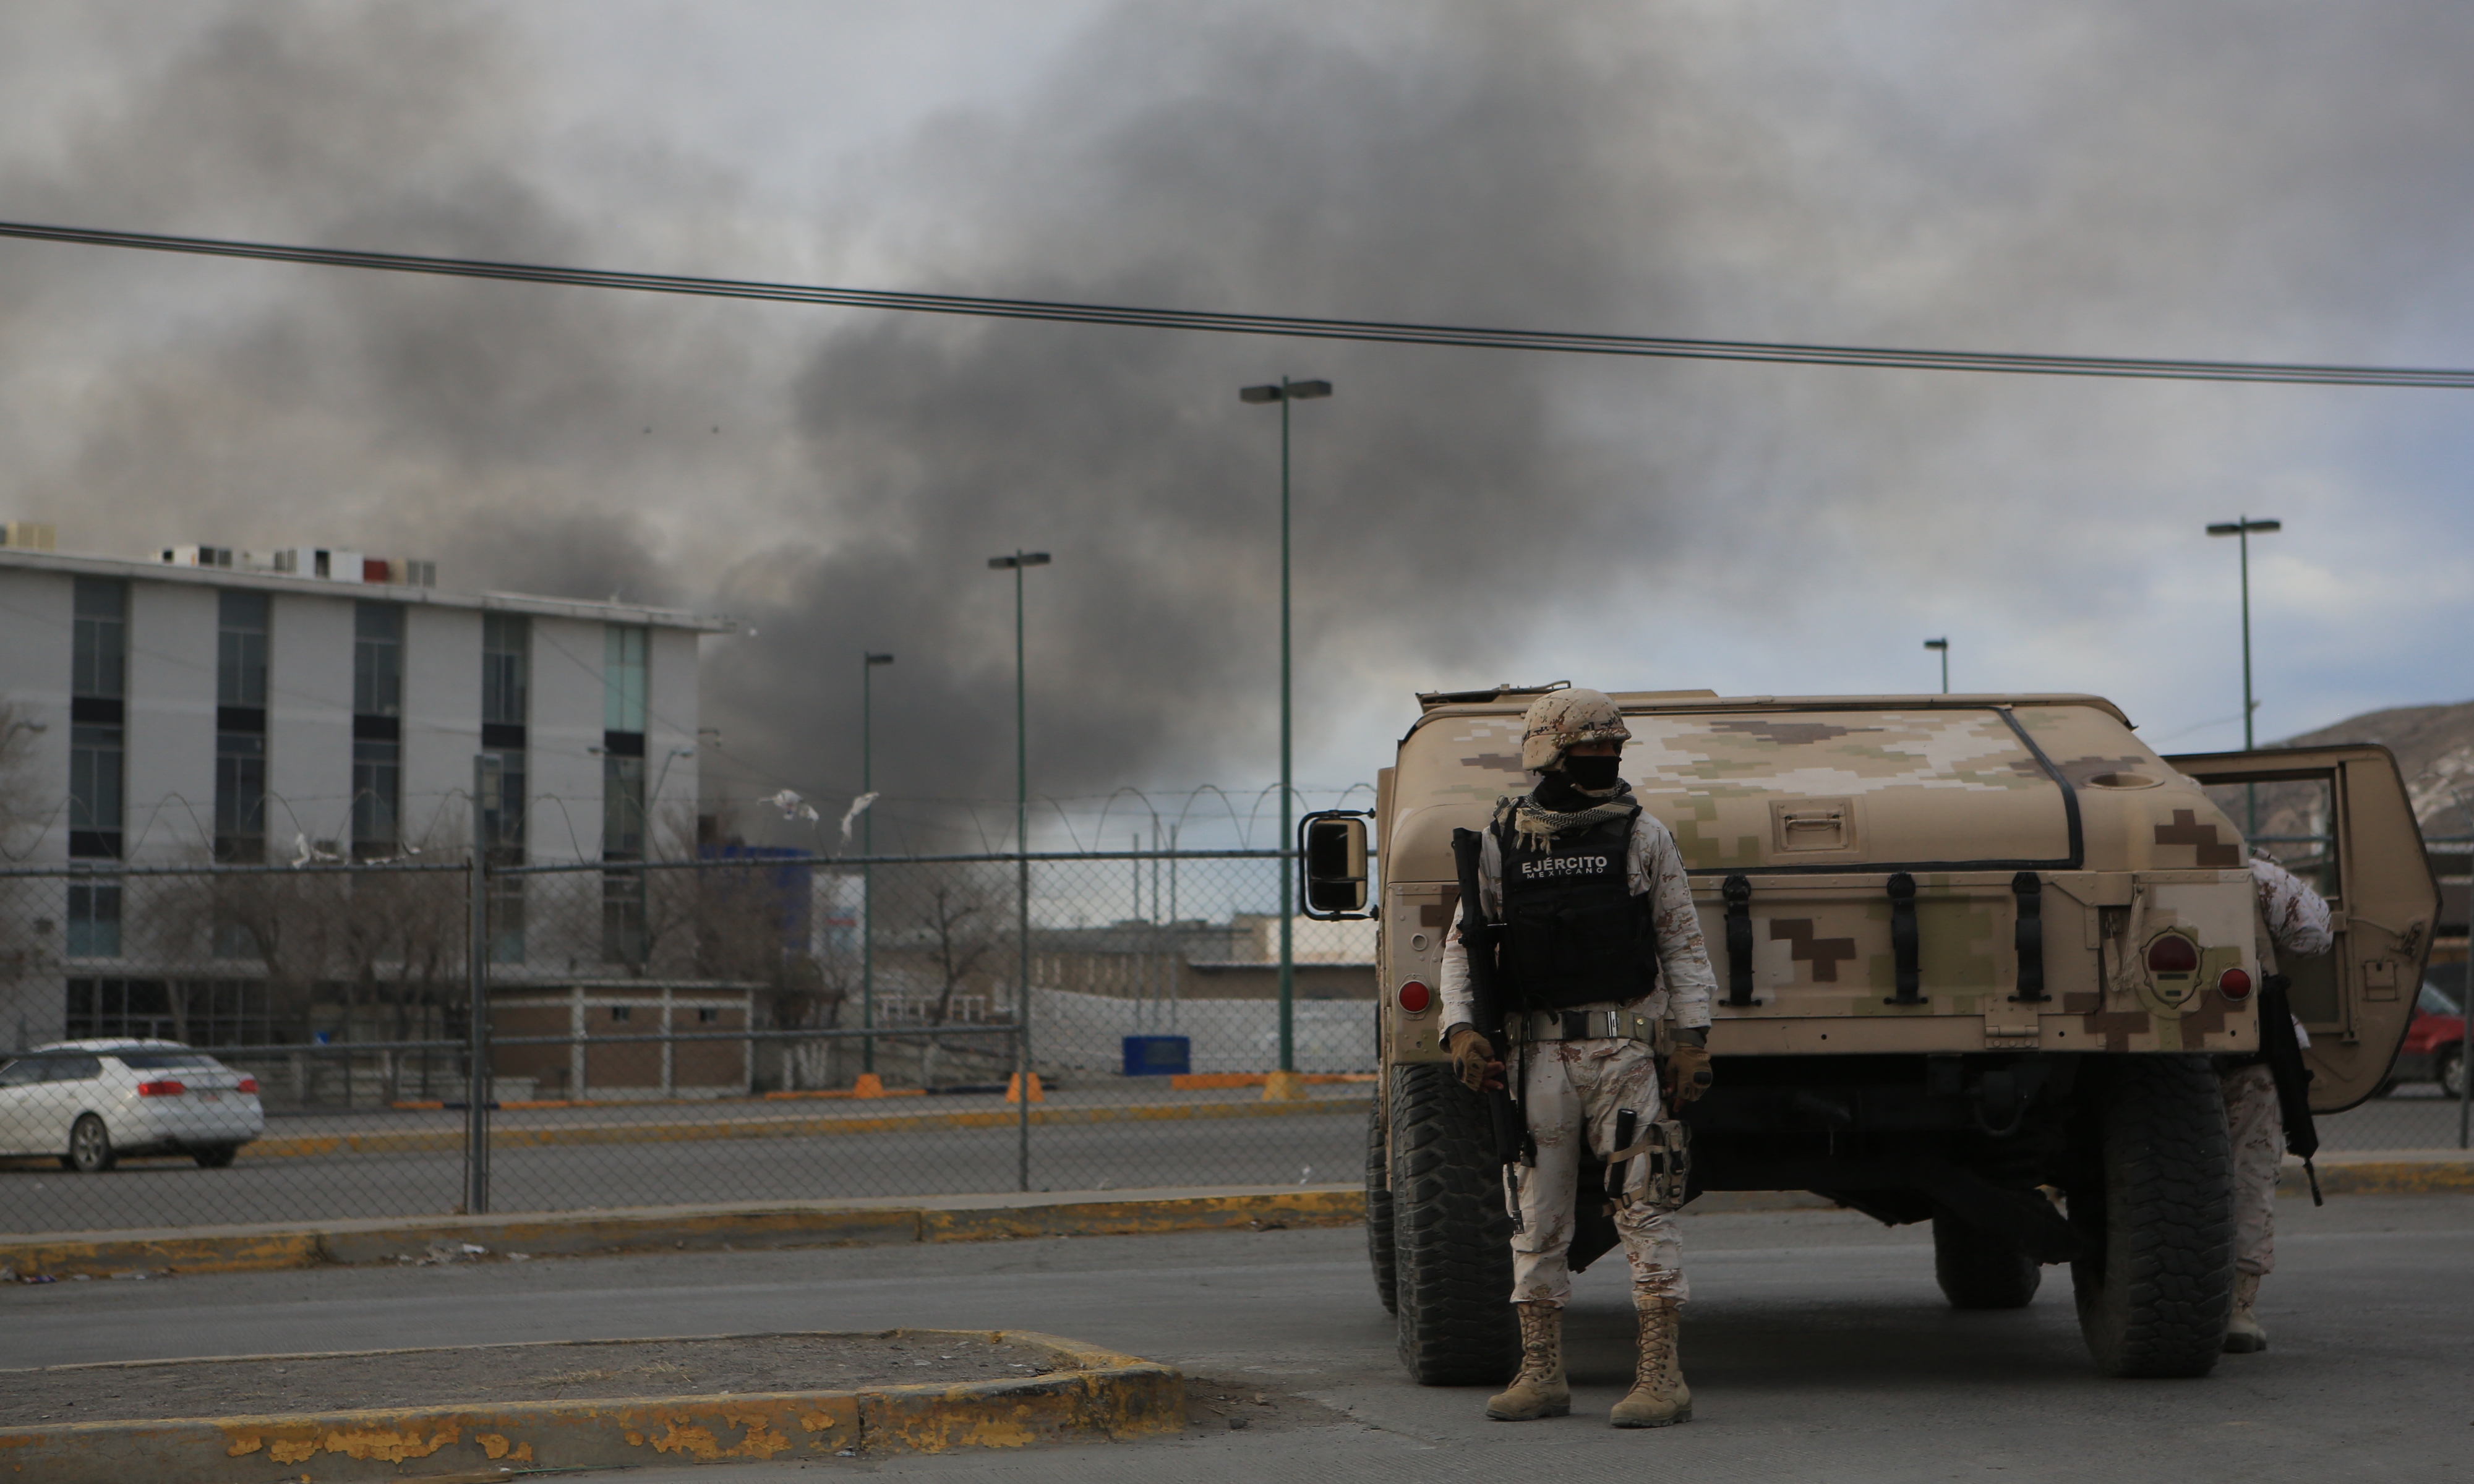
x=2435, y=1043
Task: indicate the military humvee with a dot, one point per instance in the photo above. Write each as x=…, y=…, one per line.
x=1973, y=954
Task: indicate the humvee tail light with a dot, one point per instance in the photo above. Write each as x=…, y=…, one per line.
x=2234, y=985
x=1415, y=998
x=2171, y=953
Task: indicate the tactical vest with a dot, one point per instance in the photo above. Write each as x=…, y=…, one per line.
x=1573, y=932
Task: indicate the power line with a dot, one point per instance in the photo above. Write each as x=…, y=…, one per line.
x=1376, y=331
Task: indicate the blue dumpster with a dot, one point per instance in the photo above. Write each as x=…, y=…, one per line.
x=1158, y=1055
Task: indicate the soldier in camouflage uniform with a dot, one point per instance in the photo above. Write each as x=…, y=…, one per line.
x=1615, y=949
x=2292, y=920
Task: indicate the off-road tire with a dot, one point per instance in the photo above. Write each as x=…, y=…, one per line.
x=1378, y=1212
x=1977, y=1269
x=90, y=1151
x=2152, y=1201
x=1451, y=1238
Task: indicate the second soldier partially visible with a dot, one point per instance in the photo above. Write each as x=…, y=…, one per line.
x=1601, y=957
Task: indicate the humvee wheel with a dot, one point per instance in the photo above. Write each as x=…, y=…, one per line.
x=2154, y=1213
x=1378, y=1212
x=1977, y=1269
x=1451, y=1239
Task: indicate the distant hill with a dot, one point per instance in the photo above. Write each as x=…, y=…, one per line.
x=2434, y=746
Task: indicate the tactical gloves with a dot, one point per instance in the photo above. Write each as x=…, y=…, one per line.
x=1472, y=1058
x=1687, y=1067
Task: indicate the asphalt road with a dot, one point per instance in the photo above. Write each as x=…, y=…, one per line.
x=34, y=1197
x=1817, y=1345
x=570, y=1177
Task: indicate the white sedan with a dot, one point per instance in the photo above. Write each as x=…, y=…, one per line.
x=89, y=1102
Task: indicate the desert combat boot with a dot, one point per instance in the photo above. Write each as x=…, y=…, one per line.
x=1658, y=1397
x=2244, y=1335
x=1540, y=1390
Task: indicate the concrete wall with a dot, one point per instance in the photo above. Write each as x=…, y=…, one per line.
x=442, y=724
x=308, y=722
x=170, y=773
x=564, y=822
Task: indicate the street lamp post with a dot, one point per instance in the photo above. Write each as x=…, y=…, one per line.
x=2240, y=529
x=867, y=850
x=1286, y=393
x=1015, y=564
x=1942, y=644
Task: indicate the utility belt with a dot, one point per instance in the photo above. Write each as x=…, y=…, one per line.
x=1539, y=1025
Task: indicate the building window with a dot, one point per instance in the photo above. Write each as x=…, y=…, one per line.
x=377, y=659
x=377, y=782
x=378, y=729
x=622, y=679
x=621, y=1014
x=506, y=678
x=96, y=769
x=98, y=697
x=240, y=796
x=240, y=726
x=506, y=667
x=708, y=1015
x=101, y=652
x=94, y=919
x=503, y=839
x=240, y=649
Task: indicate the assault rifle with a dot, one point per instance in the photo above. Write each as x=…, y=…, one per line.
x=2282, y=1050
x=1479, y=939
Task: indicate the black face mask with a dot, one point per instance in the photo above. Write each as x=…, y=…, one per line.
x=1592, y=772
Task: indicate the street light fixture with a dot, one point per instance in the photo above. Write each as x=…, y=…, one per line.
x=1942, y=644
x=1286, y=393
x=2240, y=529
x=1015, y=564
x=867, y=850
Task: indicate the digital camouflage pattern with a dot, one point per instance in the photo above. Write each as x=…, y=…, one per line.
x=2258, y=1136
x=1562, y=720
x=1785, y=792
x=2293, y=923
x=1574, y=1091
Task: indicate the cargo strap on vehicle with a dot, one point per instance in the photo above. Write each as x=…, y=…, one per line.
x=2028, y=934
x=1738, y=892
x=1904, y=946
x=1579, y=1025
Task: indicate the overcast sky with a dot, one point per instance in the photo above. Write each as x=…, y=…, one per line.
x=2288, y=181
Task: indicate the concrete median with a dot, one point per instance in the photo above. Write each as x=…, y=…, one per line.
x=1086, y=1394
x=887, y=1220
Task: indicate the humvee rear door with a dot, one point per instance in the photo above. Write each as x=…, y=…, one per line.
x=2339, y=817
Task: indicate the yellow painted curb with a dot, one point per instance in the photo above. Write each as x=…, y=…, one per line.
x=1093, y=1395
x=687, y=1228
x=777, y=1125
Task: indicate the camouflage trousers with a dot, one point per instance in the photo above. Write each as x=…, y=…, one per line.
x=2258, y=1130
x=1573, y=1092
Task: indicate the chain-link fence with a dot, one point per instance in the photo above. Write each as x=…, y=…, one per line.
x=745, y=1027
x=748, y=1027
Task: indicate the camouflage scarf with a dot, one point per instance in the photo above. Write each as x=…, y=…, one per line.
x=1530, y=817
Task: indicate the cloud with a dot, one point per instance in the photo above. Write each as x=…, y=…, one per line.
x=2269, y=181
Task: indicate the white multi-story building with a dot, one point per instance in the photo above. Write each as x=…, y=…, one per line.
x=199, y=707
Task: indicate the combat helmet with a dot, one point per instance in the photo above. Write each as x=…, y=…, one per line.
x=1562, y=720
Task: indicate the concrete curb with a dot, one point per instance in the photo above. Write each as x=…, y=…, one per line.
x=676, y=1228
x=1094, y=1395
x=777, y=1125
x=2401, y=1172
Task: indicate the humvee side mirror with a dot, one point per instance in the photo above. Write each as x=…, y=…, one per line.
x=1331, y=865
